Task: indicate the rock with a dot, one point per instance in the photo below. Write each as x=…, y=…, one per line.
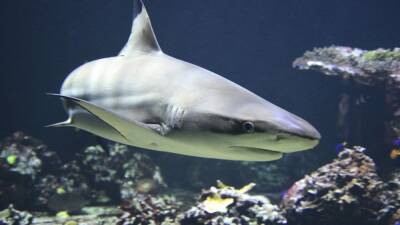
x=392, y=198
x=346, y=191
x=371, y=80
x=150, y=210
x=227, y=205
x=22, y=160
x=19, y=155
x=374, y=68
x=121, y=168
x=11, y=216
x=66, y=190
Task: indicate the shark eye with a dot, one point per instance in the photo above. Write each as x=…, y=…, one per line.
x=248, y=127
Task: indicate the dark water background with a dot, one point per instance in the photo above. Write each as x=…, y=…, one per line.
x=250, y=42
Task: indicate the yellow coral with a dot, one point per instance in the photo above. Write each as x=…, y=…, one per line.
x=215, y=204
x=71, y=222
x=346, y=199
x=246, y=188
x=63, y=215
x=11, y=159
x=221, y=185
x=60, y=190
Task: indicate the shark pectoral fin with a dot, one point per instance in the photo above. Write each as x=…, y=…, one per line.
x=142, y=38
x=129, y=129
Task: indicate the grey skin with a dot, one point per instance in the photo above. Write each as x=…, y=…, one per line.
x=145, y=98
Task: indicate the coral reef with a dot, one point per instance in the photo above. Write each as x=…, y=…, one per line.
x=227, y=205
x=120, y=168
x=19, y=155
x=22, y=159
x=11, y=216
x=346, y=191
x=149, y=210
x=66, y=190
x=374, y=68
x=392, y=198
x=371, y=80
x=34, y=177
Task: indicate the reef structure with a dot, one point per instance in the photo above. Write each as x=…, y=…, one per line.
x=226, y=205
x=33, y=177
x=11, y=216
x=65, y=189
x=393, y=197
x=346, y=191
x=362, y=72
x=120, y=168
x=145, y=209
x=22, y=161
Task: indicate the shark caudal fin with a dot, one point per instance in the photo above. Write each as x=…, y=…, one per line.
x=142, y=38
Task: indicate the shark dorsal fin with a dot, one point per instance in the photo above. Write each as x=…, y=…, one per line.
x=142, y=38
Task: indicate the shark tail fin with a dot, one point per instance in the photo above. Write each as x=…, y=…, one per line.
x=142, y=38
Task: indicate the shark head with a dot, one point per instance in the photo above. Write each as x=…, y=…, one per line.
x=245, y=121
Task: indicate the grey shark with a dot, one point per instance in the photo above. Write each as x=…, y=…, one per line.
x=146, y=98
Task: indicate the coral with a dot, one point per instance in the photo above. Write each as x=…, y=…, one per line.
x=66, y=190
x=22, y=160
x=150, y=210
x=346, y=191
x=374, y=68
x=33, y=176
x=392, y=198
x=121, y=168
x=227, y=205
x=19, y=155
x=11, y=216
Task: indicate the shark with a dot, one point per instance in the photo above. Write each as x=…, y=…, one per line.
x=145, y=98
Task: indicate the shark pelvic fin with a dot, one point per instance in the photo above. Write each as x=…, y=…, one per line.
x=142, y=38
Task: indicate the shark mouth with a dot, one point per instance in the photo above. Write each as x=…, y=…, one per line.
x=255, y=150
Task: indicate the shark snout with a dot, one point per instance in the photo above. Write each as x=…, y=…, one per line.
x=295, y=134
x=295, y=125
